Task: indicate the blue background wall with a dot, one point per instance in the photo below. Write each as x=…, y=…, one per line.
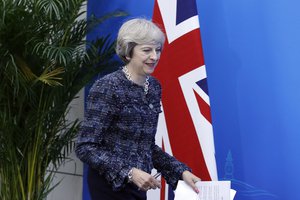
x=252, y=56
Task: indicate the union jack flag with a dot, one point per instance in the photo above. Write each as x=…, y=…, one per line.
x=185, y=128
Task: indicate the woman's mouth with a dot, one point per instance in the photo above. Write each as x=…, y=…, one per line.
x=151, y=64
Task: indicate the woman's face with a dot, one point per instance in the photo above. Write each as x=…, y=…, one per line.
x=144, y=58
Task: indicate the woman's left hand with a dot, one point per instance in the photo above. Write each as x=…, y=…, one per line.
x=190, y=179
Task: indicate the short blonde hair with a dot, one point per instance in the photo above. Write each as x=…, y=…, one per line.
x=137, y=31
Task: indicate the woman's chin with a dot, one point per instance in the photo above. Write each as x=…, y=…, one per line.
x=149, y=70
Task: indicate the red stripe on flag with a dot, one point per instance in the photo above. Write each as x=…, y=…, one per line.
x=185, y=53
x=204, y=107
x=162, y=181
x=178, y=58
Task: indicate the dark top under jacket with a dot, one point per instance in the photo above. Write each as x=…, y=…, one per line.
x=118, y=132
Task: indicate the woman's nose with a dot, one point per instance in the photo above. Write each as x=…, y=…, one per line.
x=154, y=55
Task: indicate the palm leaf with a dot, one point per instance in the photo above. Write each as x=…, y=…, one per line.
x=45, y=61
x=50, y=77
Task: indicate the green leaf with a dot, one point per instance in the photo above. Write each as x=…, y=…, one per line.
x=45, y=61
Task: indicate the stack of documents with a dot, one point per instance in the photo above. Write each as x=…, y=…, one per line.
x=208, y=190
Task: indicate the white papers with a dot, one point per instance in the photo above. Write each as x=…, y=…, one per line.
x=208, y=190
x=185, y=192
x=232, y=194
x=214, y=190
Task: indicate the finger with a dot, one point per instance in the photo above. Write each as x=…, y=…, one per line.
x=192, y=184
x=145, y=188
x=155, y=184
x=196, y=179
x=152, y=183
x=142, y=189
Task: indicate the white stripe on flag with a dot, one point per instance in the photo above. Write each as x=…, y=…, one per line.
x=203, y=127
x=168, y=13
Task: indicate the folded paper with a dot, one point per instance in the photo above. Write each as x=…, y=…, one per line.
x=208, y=190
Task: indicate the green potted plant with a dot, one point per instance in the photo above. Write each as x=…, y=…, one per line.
x=44, y=62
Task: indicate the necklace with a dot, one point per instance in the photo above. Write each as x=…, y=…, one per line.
x=128, y=76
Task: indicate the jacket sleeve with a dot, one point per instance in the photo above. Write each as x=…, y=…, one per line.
x=100, y=112
x=168, y=165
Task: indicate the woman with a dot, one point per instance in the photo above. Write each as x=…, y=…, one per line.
x=117, y=137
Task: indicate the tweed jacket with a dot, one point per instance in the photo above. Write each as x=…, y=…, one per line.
x=118, y=132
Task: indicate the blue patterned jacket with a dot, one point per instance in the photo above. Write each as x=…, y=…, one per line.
x=118, y=132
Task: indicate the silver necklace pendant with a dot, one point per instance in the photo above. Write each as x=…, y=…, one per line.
x=128, y=76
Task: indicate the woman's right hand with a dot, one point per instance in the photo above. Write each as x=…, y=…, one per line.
x=144, y=180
